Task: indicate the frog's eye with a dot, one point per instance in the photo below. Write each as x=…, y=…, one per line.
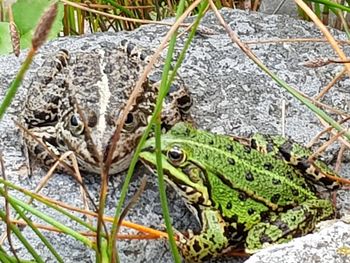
x=76, y=125
x=176, y=155
x=130, y=122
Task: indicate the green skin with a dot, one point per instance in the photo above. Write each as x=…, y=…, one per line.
x=246, y=193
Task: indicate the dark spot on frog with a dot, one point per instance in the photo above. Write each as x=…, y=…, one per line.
x=276, y=181
x=229, y=205
x=242, y=196
x=212, y=239
x=264, y=215
x=289, y=176
x=303, y=164
x=129, y=48
x=201, y=200
x=249, y=177
x=270, y=147
x=196, y=246
x=231, y=161
x=205, y=245
x=60, y=142
x=38, y=149
x=251, y=211
x=229, y=230
x=265, y=239
x=275, y=198
x=247, y=149
x=184, y=103
x=143, y=56
x=268, y=166
x=295, y=192
x=92, y=119
x=283, y=226
x=253, y=144
x=110, y=120
x=50, y=140
x=231, y=219
x=286, y=149
x=229, y=147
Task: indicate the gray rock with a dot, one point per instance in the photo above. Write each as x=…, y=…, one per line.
x=331, y=244
x=231, y=95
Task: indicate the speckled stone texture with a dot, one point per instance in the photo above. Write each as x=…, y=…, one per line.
x=231, y=95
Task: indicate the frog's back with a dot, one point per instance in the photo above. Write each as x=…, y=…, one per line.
x=251, y=176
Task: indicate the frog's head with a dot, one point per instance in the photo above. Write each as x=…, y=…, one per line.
x=88, y=131
x=89, y=134
x=182, y=169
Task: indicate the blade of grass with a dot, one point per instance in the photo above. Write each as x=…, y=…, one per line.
x=282, y=83
x=4, y=258
x=41, y=32
x=330, y=4
x=49, y=204
x=21, y=238
x=51, y=221
x=37, y=232
x=143, y=138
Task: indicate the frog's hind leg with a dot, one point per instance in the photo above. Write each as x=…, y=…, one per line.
x=295, y=222
x=297, y=155
x=210, y=243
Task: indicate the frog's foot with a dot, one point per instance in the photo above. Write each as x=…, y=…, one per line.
x=283, y=227
x=202, y=247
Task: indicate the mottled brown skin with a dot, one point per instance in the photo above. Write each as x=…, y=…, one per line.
x=75, y=100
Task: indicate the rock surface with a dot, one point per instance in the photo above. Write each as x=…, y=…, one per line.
x=231, y=95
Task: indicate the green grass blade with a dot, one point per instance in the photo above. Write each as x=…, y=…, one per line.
x=49, y=204
x=332, y=4
x=67, y=230
x=15, y=85
x=37, y=232
x=21, y=238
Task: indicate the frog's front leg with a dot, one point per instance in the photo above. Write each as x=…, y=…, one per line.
x=45, y=141
x=209, y=243
x=284, y=226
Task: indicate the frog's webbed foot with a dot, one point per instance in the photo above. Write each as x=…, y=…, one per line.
x=209, y=243
x=297, y=155
x=283, y=227
x=202, y=247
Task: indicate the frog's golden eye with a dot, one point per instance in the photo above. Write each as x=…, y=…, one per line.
x=76, y=125
x=176, y=155
x=130, y=122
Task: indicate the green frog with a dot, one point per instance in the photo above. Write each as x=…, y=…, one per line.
x=246, y=193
